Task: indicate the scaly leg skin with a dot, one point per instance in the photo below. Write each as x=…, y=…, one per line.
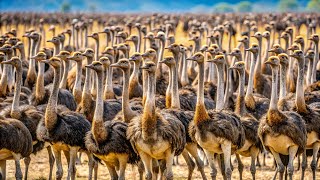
x=51, y=161
x=78, y=161
x=155, y=169
x=122, y=167
x=72, y=163
x=226, y=148
x=162, y=165
x=191, y=165
x=90, y=164
x=221, y=165
x=112, y=171
x=292, y=153
x=240, y=166
x=313, y=165
x=304, y=164
x=3, y=169
x=299, y=163
x=95, y=169
x=147, y=162
x=27, y=163
x=254, y=152
x=169, y=160
x=140, y=170
x=193, y=150
x=280, y=165
x=213, y=172
x=17, y=158
x=57, y=155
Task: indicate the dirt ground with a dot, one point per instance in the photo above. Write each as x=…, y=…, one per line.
x=39, y=170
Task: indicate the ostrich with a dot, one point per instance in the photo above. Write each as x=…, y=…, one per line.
x=27, y=114
x=7, y=50
x=283, y=103
x=266, y=69
x=252, y=145
x=78, y=58
x=135, y=88
x=256, y=104
x=315, y=39
x=162, y=40
x=135, y=40
x=276, y=128
x=16, y=143
x=87, y=104
x=65, y=130
x=63, y=55
x=95, y=36
x=156, y=134
x=261, y=82
x=216, y=131
x=107, y=139
x=184, y=116
x=310, y=115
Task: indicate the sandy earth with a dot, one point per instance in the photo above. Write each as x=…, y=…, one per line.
x=39, y=170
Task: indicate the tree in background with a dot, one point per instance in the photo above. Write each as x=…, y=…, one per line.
x=244, y=6
x=288, y=5
x=223, y=8
x=314, y=6
x=65, y=7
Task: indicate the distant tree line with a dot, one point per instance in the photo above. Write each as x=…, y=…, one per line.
x=283, y=6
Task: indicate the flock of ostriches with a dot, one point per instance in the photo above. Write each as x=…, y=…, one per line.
x=238, y=85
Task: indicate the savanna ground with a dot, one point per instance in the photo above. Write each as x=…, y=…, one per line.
x=39, y=170
x=39, y=167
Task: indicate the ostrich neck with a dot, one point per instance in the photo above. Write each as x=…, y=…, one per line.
x=112, y=38
x=69, y=40
x=139, y=40
x=97, y=50
x=136, y=45
x=56, y=49
x=40, y=81
x=251, y=74
x=149, y=121
x=175, y=100
x=63, y=83
x=4, y=79
x=302, y=46
x=184, y=73
x=286, y=45
x=51, y=113
x=22, y=54
x=220, y=87
x=162, y=44
x=98, y=129
x=274, y=91
x=315, y=62
x=134, y=78
x=29, y=47
x=108, y=86
x=87, y=81
x=201, y=113
x=128, y=114
x=266, y=52
x=309, y=72
x=77, y=85
x=257, y=70
x=169, y=90
x=77, y=39
x=15, y=113
x=86, y=37
x=73, y=36
x=283, y=86
x=300, y=101
x=32, y=61
x=240, y=108
x=196, y=46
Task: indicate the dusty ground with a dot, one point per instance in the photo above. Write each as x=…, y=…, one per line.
x=39, y=169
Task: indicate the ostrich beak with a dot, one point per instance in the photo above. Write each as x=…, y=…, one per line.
x=271, y=50
x=115, y=65
x=46, y=61
x=191, y=59
x=268, y=62
x=89, y=36
x=49, y=41
x=7, y=62
x=250, y=49
x=89, y=66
